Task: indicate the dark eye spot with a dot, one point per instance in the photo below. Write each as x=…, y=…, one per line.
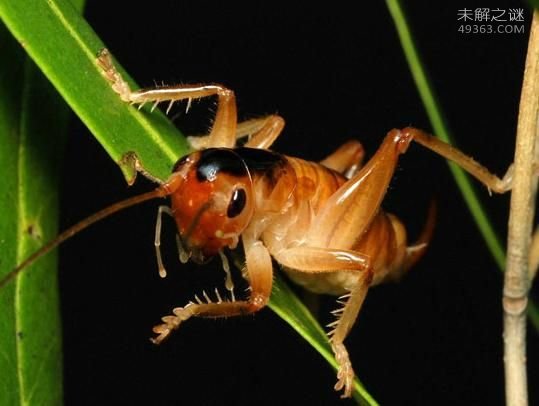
x=237, y=203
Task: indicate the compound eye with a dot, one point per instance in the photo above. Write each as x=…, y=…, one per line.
x=237, y=203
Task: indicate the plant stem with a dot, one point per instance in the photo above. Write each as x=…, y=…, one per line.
x=516, y=284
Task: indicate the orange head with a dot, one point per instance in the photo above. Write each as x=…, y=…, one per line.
x=214, y=203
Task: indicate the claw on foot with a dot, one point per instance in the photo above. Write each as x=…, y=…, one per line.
x=119, y=85
x=171, y=323
x=345, y=373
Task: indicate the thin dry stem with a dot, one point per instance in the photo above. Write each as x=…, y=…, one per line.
x=516, y=284
x=533, y=262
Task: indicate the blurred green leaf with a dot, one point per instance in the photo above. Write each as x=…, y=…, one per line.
x=33, y=124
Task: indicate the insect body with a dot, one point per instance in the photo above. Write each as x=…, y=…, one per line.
x=307, y=216
x=321, y=222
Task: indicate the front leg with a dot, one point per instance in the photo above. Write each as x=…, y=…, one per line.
x=223, y=132
x=259, y=273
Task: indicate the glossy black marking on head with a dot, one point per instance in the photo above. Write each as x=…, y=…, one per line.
x=179, y=163
x=215, y=160
x=260, y=160
x=237, y=203
x=263, y=162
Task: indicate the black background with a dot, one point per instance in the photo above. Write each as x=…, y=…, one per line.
x=334, y=72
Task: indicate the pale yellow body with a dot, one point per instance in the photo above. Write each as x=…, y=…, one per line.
x=285, y=212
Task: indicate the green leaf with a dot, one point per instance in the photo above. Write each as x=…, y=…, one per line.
x=76, y=76
x=441, y=130
x=117, y=126
x=33, y=122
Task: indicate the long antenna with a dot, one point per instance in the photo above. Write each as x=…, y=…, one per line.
x=161, y=191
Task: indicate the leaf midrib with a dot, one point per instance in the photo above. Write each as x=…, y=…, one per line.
x=22, y=209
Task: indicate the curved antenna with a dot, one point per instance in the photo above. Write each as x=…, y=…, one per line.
x=161, y=191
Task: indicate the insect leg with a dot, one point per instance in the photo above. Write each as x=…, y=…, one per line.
x=260, y=275
x=267, y=133
x=341, y=327
x=350, y=210
x=223, y=131
x=263, y=131
x=491, y=181
x=346, y=159
x=317, y=260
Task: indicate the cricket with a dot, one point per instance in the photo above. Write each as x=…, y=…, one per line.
x=322, y=222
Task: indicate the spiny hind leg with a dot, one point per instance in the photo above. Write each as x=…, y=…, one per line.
x=346, y=316
x=324, y=260
x=346, y=159
x=348, y=213
x=223, y=132
x=259, y=273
